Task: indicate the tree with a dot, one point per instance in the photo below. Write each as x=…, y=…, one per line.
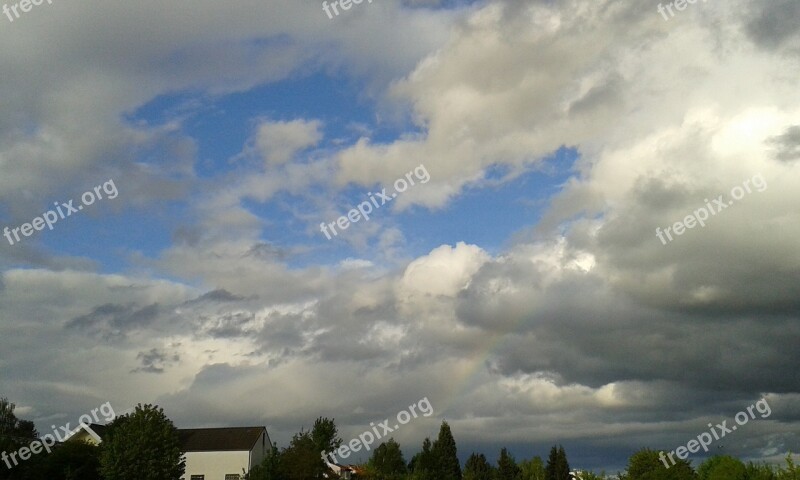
x=14, y=434
x=477, y=468
x=646, y=465
x=143, y=445
x=8, y=421
x=445, y=455
x=760, y=472
x=722, y=467
x=557, y=466
x=587, y=475
x=507, y=468
x=269, y=468
x=791, y=472
x=325, y=435
x=423, y=464
x=532, y=469
x=301, y=460
x=387, y=462
x=70, y=461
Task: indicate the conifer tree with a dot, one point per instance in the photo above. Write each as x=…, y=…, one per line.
x=423, y=464
x=507, y=468
x=557, y=466
x=478, y=468
x=445, y=455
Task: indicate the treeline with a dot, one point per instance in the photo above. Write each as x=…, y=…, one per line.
x=144, y=445
x=438, y=460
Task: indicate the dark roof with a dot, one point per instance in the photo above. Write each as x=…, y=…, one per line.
x=219, y=439
x=100, y=430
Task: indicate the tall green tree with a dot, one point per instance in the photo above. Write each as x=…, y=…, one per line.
x=507, y=468
x=446, y=455
x=325, y=435
x=301, y=460
x=532, y=469
x=423, y=464
x=478, y=468
x=387, y=462
x=143, y=445
x=557, y=466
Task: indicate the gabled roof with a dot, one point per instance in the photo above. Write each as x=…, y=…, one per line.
x=219, y=439
x=95, y=431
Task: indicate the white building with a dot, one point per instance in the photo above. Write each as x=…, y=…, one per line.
x=223, y=453
x=211, y=453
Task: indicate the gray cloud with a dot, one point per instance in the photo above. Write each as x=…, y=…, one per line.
x=787, y=145
x=155, y=361
x=111, y=321
x=219, y=295
x=772, y=24
x=586, y=329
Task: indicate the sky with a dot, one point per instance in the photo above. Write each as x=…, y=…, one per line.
x=598, y=249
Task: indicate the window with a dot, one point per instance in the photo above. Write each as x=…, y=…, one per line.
x=232, y=476
x=198, y=477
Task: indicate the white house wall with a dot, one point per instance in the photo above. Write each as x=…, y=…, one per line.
x=215, y=465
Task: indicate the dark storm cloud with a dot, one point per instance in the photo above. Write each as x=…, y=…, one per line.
x=581, y=331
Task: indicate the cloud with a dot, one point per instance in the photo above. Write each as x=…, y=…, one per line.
x=770, y=24
x=114, y=320
x=277, y=142
x=155, y=361
x=787, y=145
x=584, y=327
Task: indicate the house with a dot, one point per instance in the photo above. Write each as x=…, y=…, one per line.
x=211, y=453
x=92, y=434
x=223, y=453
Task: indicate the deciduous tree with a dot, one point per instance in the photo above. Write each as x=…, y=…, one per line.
x=646, y=465
x=143, y=445
x=387, y=462
x=722, y=467
x=532, y=469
